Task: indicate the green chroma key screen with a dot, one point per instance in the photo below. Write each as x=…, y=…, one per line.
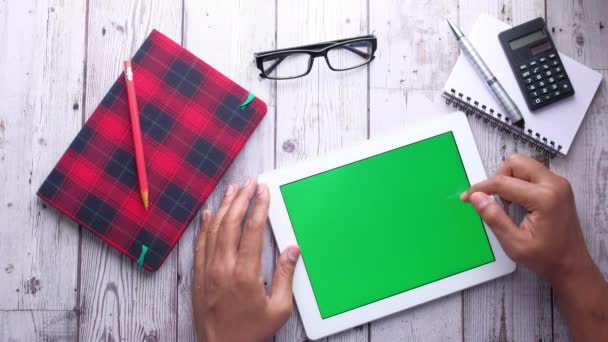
x=386, y=224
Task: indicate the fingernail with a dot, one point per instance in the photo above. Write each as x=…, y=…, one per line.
x=261, y=188
x=463, y=195
x=293, y=254
x=247, y=182
x=206, y=214
x=479, y=200
x=230, y=189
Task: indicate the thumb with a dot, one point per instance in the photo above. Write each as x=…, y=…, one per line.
x=501, y=224
x=281, y=302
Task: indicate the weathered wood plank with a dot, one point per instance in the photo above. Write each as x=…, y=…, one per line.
x=228, y=45
x=516, y=307
x=415, y=55
x=41, y=94
x=29, y=325
x=439, y=320
x=119, y=301
x=577, y=34
x=580, y=30
x=415, y=49
x=324, y=110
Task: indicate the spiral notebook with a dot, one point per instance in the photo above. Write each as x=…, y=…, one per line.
x=550, y=129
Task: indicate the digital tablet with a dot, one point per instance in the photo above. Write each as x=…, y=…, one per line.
x=381, y=225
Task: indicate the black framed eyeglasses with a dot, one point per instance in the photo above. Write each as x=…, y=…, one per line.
x=340, y=55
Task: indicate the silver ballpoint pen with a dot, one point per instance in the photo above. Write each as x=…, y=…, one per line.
x=488, y=77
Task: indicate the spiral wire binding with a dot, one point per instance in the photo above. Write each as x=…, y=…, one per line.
x=501, y=123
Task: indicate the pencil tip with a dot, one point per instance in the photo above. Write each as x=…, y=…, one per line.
x=144, y=197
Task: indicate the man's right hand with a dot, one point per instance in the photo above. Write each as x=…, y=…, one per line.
x=548, y=240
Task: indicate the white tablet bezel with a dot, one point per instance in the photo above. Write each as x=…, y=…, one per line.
x=315, y=326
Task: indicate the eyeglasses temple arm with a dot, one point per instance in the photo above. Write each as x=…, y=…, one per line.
x=274, y=65
x=355, y=51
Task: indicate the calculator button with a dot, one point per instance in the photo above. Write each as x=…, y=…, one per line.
x=538, y=77
x=533, y=63
x=547, y=97
x=536, y=70
x=523, y=67
x=545, y=66
x=528, y=80
x=565, y=86
x=548, y=73
x=541, y=84
x=525, y=74
x=555, y=62
x=556, y=93
x=537, y=100
x=552, y=55
x=531, y=87
x=557, y=70
x=542, y=59
x=534, y=94
x=553, y=86
x=561, y=76
x=551, y=79
x=544, y=90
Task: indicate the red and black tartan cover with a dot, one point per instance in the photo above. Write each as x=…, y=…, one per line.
x=193, y=127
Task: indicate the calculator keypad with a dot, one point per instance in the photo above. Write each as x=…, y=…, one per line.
x=544, y=80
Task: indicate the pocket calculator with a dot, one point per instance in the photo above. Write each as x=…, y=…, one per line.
x=536, y=64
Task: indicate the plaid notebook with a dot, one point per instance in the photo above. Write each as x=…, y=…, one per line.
x=193, y=126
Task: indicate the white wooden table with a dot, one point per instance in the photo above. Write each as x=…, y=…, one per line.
x=58, y=58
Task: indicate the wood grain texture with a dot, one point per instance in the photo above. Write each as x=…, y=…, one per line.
x=516, y=307
x=415, y=47
x=587, y=163
x=119, y=301
x=51, y=78
x=324, y=110
x=415, y=55
x=39, y=325
x=229, y=46
x=40, y=93
x=580, y=30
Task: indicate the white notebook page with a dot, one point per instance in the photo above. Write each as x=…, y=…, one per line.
x=557, y=122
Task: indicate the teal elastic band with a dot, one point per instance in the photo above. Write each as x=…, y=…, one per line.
x=144, y=250
x=250, y=98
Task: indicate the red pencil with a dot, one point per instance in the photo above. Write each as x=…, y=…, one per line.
x=136, y=132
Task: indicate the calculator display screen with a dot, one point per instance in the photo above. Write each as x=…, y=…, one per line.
x=536, y=49
x=527, y=39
